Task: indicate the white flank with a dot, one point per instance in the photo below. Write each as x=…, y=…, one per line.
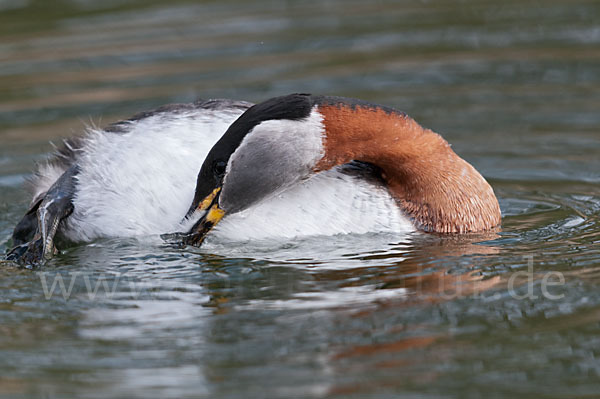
x=142, y=182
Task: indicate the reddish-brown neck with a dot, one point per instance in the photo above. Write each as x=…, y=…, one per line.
x=440, y=191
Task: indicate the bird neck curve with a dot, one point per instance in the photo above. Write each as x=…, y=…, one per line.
x=440, y=191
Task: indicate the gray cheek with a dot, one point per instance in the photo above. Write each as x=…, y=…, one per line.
x=256, y=175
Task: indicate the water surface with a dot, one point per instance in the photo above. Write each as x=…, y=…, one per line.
x=513, y=85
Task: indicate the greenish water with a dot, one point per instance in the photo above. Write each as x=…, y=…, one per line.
x=513, y=85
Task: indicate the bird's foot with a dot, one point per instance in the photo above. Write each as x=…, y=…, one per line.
x=32, y=254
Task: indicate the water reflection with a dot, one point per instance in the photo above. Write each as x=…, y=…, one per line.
x=216, y=306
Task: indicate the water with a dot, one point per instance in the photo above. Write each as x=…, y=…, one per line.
x=513, y=85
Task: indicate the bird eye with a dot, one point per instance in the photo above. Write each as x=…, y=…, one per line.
x=219, y=168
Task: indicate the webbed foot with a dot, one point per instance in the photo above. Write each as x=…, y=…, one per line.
x=32, y=254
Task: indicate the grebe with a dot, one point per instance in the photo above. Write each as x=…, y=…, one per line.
x=292, y=165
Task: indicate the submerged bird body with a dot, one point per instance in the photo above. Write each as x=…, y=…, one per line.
x=291, y=166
